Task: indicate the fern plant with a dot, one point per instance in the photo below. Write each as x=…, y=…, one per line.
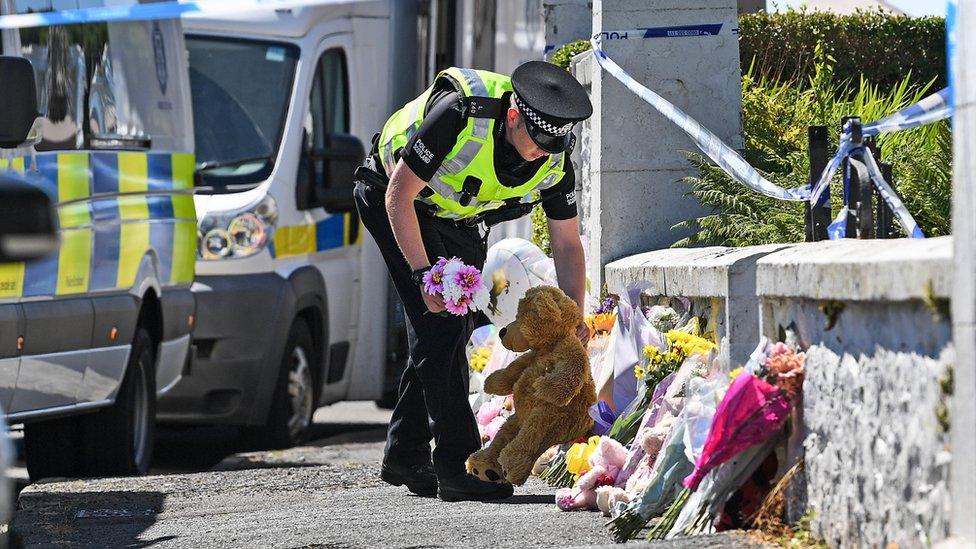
x=775, y=120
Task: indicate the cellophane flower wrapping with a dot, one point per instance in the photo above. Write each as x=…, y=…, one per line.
x=459, y=284
x=671, y=466
x=704, y=504
x=660, y=359
x=751, y=412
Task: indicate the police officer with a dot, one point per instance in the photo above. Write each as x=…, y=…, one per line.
x=475, y=148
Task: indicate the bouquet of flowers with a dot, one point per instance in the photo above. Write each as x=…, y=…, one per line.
x=602, y=319
x=679, y=346
x=460, y=285
x=742, y=434
x=676, y=458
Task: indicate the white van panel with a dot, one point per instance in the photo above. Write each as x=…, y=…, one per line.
x=103, y=377
x=172, y=356
x=47, y=381
x=8, y=380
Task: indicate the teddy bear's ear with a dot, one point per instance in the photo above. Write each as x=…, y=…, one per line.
x=545, y=308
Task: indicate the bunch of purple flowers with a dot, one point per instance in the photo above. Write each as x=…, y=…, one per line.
x=460, y=285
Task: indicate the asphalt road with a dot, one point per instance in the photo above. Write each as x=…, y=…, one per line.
x=324, y=494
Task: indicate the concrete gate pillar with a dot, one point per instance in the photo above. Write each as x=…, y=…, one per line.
x=566, y=21
x=963, y=413
x=634, y=195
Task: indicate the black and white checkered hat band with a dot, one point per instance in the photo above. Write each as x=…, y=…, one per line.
x=538, y=120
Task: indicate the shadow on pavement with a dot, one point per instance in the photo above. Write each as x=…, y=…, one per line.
x=201, y=448
x=524, y=499
x=95, y=519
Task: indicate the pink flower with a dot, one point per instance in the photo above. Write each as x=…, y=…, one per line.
x=434, y=278
x=468, y=279
x=488, y=411
x=458, y=307
x=492, y=428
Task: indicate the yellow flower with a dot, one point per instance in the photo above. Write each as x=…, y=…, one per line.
x=578, y=456
x=688, y=344
x=498, y=282
x=479, y=359
x=651, y=351
x=602, y=322
x=639, y=372
x=735, y=373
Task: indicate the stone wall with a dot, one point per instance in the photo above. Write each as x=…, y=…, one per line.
x=873, y=316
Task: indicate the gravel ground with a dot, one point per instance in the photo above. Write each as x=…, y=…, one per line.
x=325, y=494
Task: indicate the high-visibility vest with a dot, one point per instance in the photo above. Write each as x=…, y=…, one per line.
x=466, y=184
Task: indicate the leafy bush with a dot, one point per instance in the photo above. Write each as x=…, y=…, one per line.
x=879, y=47
x=775, y=120
x=565, y=54
x=873, y=45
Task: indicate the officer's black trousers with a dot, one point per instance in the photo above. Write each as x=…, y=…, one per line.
x=435, y=382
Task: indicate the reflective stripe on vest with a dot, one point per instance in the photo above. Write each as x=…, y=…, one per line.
x=472, y=155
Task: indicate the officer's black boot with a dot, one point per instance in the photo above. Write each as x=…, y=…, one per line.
x=464, y=487
x=419, y=479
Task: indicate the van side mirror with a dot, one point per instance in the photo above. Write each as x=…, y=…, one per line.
x=340, y=157
x=27, y=227
x=19, y=112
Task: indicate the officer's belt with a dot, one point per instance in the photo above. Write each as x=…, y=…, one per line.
x=379, y=182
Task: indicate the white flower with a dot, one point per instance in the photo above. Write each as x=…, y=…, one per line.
x=480, y=299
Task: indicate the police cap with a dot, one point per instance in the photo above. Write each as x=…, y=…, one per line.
x=550, y=101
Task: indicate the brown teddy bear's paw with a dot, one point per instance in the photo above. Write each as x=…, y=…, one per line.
x=484, y=468
x=495, y=384
x=516, y=467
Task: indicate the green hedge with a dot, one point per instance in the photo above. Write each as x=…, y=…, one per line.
x=882, y=48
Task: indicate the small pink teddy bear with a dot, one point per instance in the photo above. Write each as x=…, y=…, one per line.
x=605, y=464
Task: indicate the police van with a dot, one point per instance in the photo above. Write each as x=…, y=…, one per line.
x=294, y=303
x=99, y=116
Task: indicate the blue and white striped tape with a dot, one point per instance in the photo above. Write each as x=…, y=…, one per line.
x=868, y=168
x=931, y=109
x=713, y=147
x=152, y=11
x=888, y=194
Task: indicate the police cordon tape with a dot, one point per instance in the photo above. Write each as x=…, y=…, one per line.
x=712, y=146
x=930, y=109
x=153, y=11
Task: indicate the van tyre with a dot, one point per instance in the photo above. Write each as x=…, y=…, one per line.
x=293, y=403
x=52, y=448
x=118, y=440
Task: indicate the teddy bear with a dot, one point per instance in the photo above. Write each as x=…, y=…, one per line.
x=550, y=383
x=605, y=462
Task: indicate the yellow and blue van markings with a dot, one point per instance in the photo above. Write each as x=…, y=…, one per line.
x=113, y=209
x=330, y=233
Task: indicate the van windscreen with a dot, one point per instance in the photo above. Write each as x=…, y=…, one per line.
x=241, y=91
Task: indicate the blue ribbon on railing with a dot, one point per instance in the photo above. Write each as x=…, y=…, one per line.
x=868, y=168
x=151, y=11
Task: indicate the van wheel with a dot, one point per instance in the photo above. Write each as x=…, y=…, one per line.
x=118, y=440
x=294, y=398
x=52, y=448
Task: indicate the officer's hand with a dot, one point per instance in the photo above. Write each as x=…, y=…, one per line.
x=583, y=332
x=435, y=303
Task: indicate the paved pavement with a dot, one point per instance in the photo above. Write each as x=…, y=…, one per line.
x=324, y=494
